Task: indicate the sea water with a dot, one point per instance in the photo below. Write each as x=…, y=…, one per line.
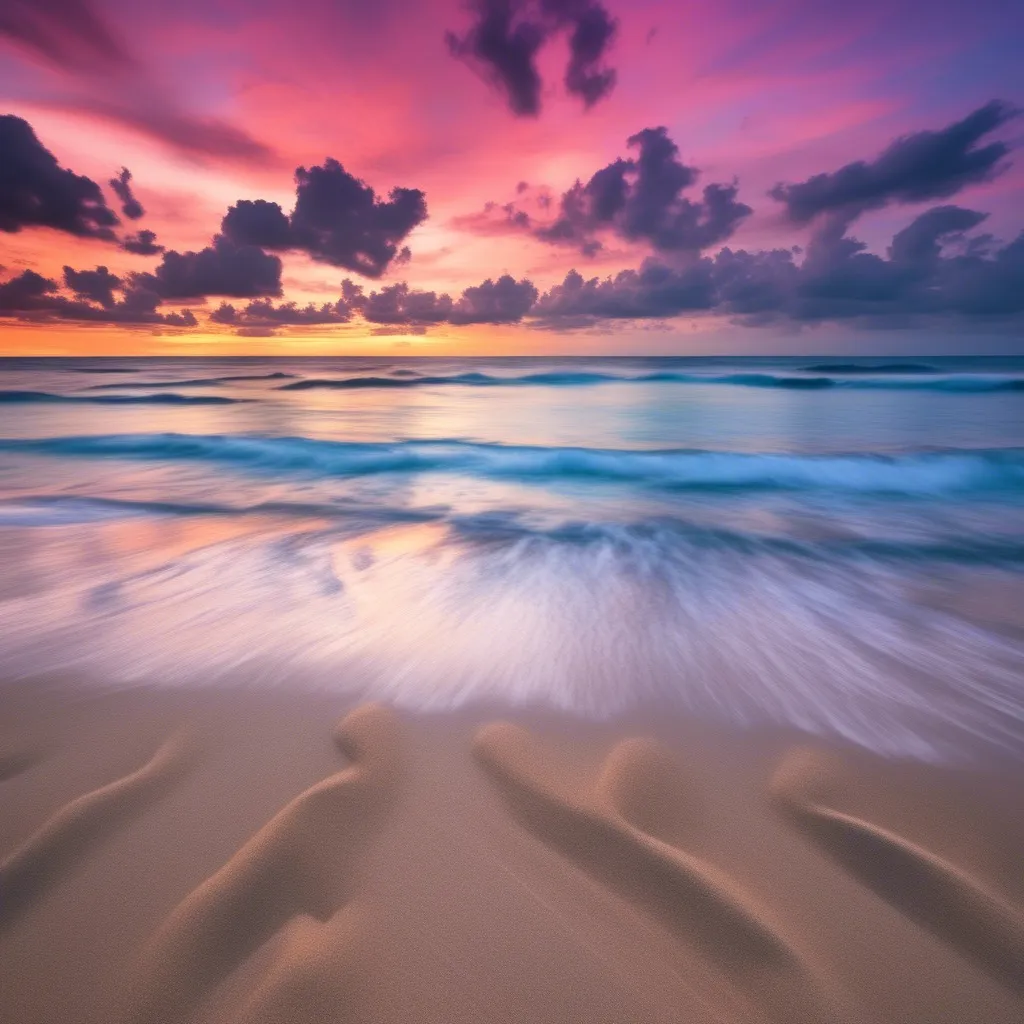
x=834, y=544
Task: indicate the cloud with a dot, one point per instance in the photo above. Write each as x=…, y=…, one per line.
x=837, y=280
x=142, y=243
x=145, y=110
x=35, y=191
x=130, y=206
x=257, y=222
x=923, y=166
x=492, y=302
x=110, y=82
x=920, y=243
x=638, y=199
x=399, y=304
x=507, y=35
x=95, y=285
x=655, y=290
x=256, y=332
x=30, y=296
x=222, y=268
x=385, y=332
x=337, y=219
x=263, y=313
x=25, y=293
x=503, y=301
x=66, y=33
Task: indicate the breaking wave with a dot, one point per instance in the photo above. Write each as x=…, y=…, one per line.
x=959, y=471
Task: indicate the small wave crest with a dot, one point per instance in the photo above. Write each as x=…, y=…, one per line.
x=196, y=382
x=958, y=471
x=873, y=368
x=166, y=398
x=904, y=379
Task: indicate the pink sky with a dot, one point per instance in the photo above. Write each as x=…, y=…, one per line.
x=208, y=103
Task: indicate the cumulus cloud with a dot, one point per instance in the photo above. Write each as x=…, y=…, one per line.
x=837, y=280
x=503, y=301
x=26, y=292
x=655, y=290
x=34, y=297
x=95, y=285
x=492, y=302
x=923, y=166
x=222, y=268
x=263, y=313
x=35, y=191
x=142, y=243
x=130, y=206
x=337, y=219
x=637, y=199
x=257, y=222
x=506, y=36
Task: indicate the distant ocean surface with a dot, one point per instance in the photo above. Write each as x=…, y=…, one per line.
x=834, y=544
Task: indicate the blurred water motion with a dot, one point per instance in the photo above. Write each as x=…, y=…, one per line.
x=758, y=540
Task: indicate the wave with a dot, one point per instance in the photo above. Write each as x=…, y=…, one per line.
x=170, y=398
x=198, y=382
x=912, y=473
x=964, y=382
x=869, y=368
x=99, y=369
x=66, y=509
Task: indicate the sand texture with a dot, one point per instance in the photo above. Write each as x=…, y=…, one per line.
x=255, y=859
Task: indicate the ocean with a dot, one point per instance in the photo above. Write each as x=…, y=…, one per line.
x=830, y=544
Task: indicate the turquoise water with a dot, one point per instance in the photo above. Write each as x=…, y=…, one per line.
x=834, y=544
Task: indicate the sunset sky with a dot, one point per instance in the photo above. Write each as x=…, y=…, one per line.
x=753, y=177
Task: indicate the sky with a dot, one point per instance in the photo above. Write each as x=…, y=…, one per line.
x=511, y=177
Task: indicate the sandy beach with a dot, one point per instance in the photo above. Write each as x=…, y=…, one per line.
x=241, y=856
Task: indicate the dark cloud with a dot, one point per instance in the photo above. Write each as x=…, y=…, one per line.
x=35, y=191
x=263, y=313
x=591, y=32
x=507, y=35
x=142, y=243
x=257, y=222
x=640, y=199
x=96, y=285
x=503, y=301
x=923, y=166
x=337, y=219
x=920, y=243
x=66, y=33
x=222, y=268
x=34, y=297
x=27, y=292
x=130, y=206
x=399, y=304
x=655, y=290
x=837, y=280
x=492, y=302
